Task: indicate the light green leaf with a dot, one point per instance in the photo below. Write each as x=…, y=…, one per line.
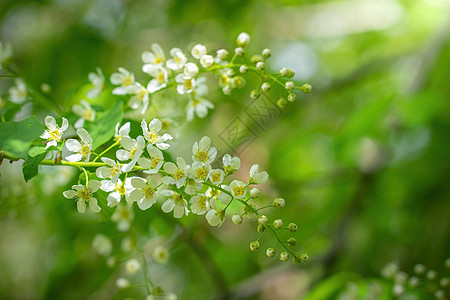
x=16, y=137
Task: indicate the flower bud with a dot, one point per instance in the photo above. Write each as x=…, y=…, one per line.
x=226, y=90
x=290, y=73
x=254, y=94
x=270, y=252
x=122, y=283
x=243, y=39
x=292, y=227
x=304, y=257
x=413, y=281
x=206, y=61
x=284, y=256
x=237, y=219
x=263, y=220
x=260, y=66
x=239, y=51
x=292, y=242
x=222, y=54
x=265, y=87
x=278, y=223
x=171, y=296
x=238, y=81
x=289, y=85
x=297, y=260
x=278, y=203
x=266, y=53
x=444, y=282
x=256, y=59
x=243, y=69
x=254, y=193
x=254, y=246
x=198, y=51
x=261, y=228
x=281, y=103
x=292, y=97
x=419, y=269
x=190, y=69
x=439, y=294
x=431, y=275
x=306, y=88
x=132, y=266
x=284, y=72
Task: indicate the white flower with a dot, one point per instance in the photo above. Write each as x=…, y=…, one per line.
x=207, y=61
x=198, y=106
x=191, y=69
x=192, y=186
x=102, y=244
x=98, y=81
x=216, y=176
x=123, y=217
x=155, y=162
x=145, y=192
x=199, y=204
x=177, y=172
x=156, y=57
x=222, y=54
x=125, y=80
x=140, y=98
x=84, y=194
x=231, y=165
x=198, y=51
x=176, y=202
x=161, y=254
x=111, y=171
x=160, y=77
x=178, y=60
x=53, y=133
x=121, y=132
x=117, y=190
x=122, y=283
x=203, y=152
x=243, y=39
x=85, y=112
x=5, y=53
x=83, y=150
x=215, y=217
x=151, y=134
x=238, y=189
x=133, y=149
x=132, y=266
x=257, y=177
x=18, y=93
x=186, y=84
x=199, y=171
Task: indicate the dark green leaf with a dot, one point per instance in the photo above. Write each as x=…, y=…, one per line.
x=30, y=166
x=16, y=137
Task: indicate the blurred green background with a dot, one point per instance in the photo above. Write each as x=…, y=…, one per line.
x=363, y=161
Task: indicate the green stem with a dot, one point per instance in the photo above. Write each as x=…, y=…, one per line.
x=106, y=150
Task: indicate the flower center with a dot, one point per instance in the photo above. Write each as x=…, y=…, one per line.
x=124, y=213
x=120, y=189
x=85, y=194
x=148, y=191
x=141, y=94
x=132, y=153
x=178, y=199
x=161, y=77
x=202, y=173
x=238, y=190
x=215, y=177
x=152, y=136
x=155, y=161
x=55, y=135
x=188, y=84
x=127, y=81
x=85, y=150
x=178, y=174
x=202, y=202
x=158, y=59
x=202, y=156
x=88, y=115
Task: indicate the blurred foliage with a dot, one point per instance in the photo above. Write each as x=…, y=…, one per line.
x=362, y=161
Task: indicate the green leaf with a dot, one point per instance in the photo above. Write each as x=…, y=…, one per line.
x=103, y=128
x=30, y=166
x=16, y=137
x=36, y=150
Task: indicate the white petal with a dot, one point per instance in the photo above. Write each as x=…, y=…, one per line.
x=70, y=194
x=137, y=182
x=123, y=154
x=74, y=157
x=94, y=205
x=168, y=206
x=65, y=124
x=50, y=122
x=73, y=145
x=94, y=185
x=81, y=206
x=84, y=135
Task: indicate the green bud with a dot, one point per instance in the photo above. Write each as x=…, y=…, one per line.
x=261, y=228
x=270, y=252
x=254, y=246
x=237, y=219
x=278, y=203
x=256, y=59
x=304, y=257
x=306, y=88
x=292, y=97
x=278, y=223
x=292, y=242
x=292, y=227
x=289, y=85
x=266, y=53
x=284, y=256
x=260, y=66
x=263, y=220
x=243, y=69
x=281, y=103
x=254, y=94
x=239, y=81
x=297, y=260
x=239, y=51
x=265, y=87
x=254, y=193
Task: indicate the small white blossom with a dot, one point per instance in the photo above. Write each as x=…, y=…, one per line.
x=122, y=283
x=215, y=217
x=83, y=150
x=186, y=84
x=156, y=57
x=199, y=171
x=111, y=171
x=132, y=266
x=222, y=54
x=203, y=152
x=140, y=99
x=151, y=134
x=116, y=191
x=257, y=177
x=175, y=202
x=231, y=165
x=161, y=254
x=199, y=204
x=238, y=189
x=155, y=162
x=178, y=59
x=102, y=245
x=84, y=194
x=191, y=69
x=123, y=216
x=160, y=77
x=198, y=51
x=126, y=81
x=206, y=61
x=192, y=186
x=85, y=112
x=145, y=192
x=237, y=219
x=18, y=93
x=178, y=172
x=53, y=133
x=133, y=149
x=216, y=176
x=121, y=132
x=243, y=39
x=98, y=82
x=198, y=104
